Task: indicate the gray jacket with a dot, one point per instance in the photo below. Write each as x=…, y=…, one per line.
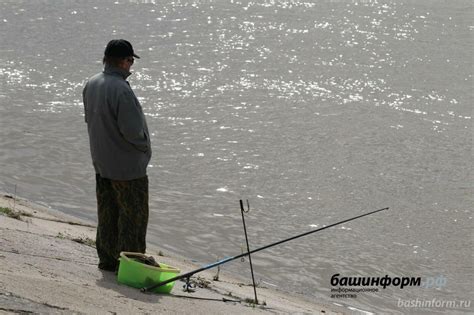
x=118, y=133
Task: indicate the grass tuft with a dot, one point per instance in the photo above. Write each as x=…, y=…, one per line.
x=10, y=213
x=81, y=240
x=84, y=240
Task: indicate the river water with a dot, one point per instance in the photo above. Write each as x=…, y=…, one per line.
x=314, y=111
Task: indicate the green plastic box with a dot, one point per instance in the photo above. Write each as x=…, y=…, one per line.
x=138, y=275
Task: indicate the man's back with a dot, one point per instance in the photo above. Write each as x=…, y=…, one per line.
x=119, y=138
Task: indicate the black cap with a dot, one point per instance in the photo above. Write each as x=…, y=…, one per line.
x=119, y=48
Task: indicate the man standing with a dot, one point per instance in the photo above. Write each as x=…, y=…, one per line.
x=120, y=148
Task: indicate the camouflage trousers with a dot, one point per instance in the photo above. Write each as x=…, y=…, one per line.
x=123, y=218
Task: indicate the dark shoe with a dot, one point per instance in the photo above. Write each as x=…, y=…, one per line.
x=108, y=267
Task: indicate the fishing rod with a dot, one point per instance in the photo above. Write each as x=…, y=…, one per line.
x=225, y=260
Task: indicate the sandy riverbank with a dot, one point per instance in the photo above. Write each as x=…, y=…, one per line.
x=49, y=266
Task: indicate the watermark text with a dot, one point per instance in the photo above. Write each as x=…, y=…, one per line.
x=434, y=303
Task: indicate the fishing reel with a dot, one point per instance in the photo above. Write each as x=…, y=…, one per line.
x=189, y=286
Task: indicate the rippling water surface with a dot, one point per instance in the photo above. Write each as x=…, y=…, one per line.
x=314, y=111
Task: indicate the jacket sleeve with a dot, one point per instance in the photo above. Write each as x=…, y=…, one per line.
x=131, y=121
x=84, y=101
